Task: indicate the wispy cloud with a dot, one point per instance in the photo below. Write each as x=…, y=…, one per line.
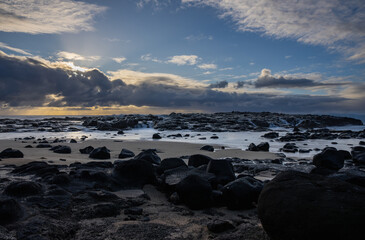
x=148, y=57
x=198, y=37
x=184, y=59
x=119, y=59
x=221, y=84
x=207, y=66
x=76, y=57
x=337, y=25
x=13, y=49
x=52, y=16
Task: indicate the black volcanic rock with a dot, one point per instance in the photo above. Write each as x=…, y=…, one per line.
x=271, y=135
x=170, y=163
x=125, y=153
x=10, y=211
x=242, y=193
x=61, y=149
x=329, y=158
x=195, y=192
x=303, y=206
x=149, y=155
x=23, y=189
x=86, y=150
x=156, y=136
x=11, y=153
x=223, y=170
x=100, y=153
x=197, y=160
x=264, y=146
x=207, y=148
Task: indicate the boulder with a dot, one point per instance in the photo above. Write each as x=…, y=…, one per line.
x=100, y=153
x=218, y=226
x=264, y=146
x=149, y=155
x=223, y=170
x=329, y=158
x=170, y=163
x=44, y=145
x=125, y=153
x=271, y=135
x=23, y=189
x=301, y=206
x=11, y=153
x=10, y=211
x=40, y=169
x=242, y=193
x=61, y=149
x=156, y=136
x=198, y=160
x=86, y=150
x=134, y=173
x=358, y=155
x=195, y=192
x=207, y=148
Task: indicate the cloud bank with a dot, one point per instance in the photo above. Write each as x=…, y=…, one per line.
x=30, y=82
x=51, y=16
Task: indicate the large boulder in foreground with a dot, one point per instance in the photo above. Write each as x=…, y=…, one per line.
x=10, y=211
x=197, y=160
x=329, y=158
x=11, y=153
x=134, y=173
x=242, y=193
x=195, y=191
x=303, y=206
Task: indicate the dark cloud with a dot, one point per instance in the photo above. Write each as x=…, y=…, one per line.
x=27, y=82
x=221, y=84
x=270, y=81
x=240, y=84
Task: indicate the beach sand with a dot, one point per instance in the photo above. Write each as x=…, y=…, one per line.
x=164, y=150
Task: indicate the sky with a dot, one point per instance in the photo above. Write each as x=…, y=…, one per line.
x=91, y=57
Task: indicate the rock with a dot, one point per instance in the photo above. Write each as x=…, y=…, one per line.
x=73, y=141
x=362, y=143
x=329, y=158
x=40, y=169
x=99, y=210
x=345, y=154
x=218, y=226
x=242, y=193
x=86, y=150
x=120, y=132
x=61, y=179
x=23, y=189
x=223, y=170
x=170, y=163
x=10, y=211
x=214, y=137
x=134, y=173
x=195, y=192
x=44, y=145
x=290, y=148
x=156, y=136
x=198, y=160
x=133, y=211
x=207, y=148
x=303, y=206
x=271, y=135
x=61, y=149
x=125, y=153
x=11, y=153
x=264, y=146
x=28, y=146
x=100, y=153
x=149, y=155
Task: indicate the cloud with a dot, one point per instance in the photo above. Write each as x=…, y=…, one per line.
x=76, y=57
x=207, y=66
x=337, y=25
x=184, y=59
x=13, y=49
x=52, y=16
x=119, y=59
x=29, y=82
x=221, y=84
x=198, y=37
x=267, y=80
x=148, y=57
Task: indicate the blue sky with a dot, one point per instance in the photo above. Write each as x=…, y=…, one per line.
x=158, y=56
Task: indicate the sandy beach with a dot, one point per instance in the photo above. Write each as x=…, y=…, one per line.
x=164, y=150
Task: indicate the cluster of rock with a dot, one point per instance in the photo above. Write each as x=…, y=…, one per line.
x=217, y=122
x=247, y=121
